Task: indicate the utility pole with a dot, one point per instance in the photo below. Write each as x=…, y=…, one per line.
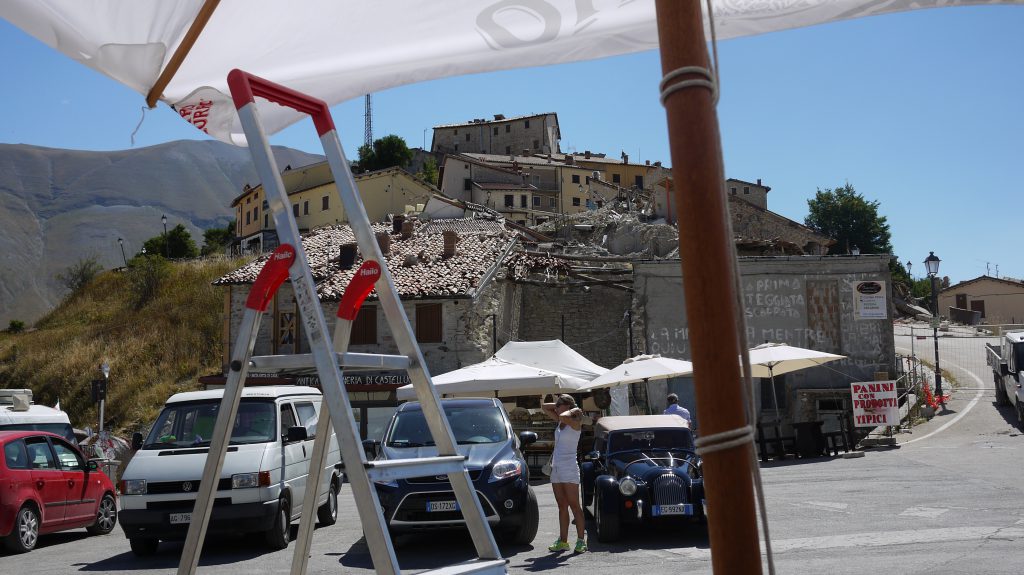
x=368, y=123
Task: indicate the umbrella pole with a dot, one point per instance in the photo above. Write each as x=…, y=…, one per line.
x=707, y=252
x=778, y=419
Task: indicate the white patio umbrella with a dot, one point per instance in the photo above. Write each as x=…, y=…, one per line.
x=771, y=359
x=497, y=377
x=640, y=368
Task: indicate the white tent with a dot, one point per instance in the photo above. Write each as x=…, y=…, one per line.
x=552, y=355
x=497, y=377
x=337, y=50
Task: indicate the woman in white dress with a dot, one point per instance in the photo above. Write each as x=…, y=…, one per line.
x=565, y=471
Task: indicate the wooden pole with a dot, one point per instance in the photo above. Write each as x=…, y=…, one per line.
x=205, y=12
x=710, y=288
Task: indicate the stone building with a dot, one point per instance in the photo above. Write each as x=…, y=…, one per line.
x=536, y=133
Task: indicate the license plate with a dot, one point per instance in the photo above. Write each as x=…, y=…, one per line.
x=683, y=509
x=433, y=506
x=177, y=518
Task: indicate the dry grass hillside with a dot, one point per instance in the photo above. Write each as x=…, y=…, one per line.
x=158, y=325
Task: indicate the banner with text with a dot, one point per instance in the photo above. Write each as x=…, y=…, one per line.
x=875, y=403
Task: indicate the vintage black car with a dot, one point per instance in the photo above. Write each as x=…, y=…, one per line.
x=643, y=469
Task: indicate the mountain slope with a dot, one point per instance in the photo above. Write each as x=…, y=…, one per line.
x=60, y=206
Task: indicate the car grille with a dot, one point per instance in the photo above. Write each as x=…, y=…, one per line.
x=669, y=490
x=474, y=474
x=163, y=487
x=414, y=507
x=183, y=504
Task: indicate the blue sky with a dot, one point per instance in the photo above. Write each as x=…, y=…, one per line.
x=922, y=112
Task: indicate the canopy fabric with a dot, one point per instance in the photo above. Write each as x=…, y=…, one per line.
x=641, y=368
x=497, y=377
x=770, y=359
x=552, y=355
x=336, y=50
x=619, y=422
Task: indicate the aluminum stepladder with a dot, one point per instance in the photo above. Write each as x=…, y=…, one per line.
x=360, y=472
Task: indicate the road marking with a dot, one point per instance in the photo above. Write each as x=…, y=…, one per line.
x=966, y=410
x=826, y=505
x=926, y=512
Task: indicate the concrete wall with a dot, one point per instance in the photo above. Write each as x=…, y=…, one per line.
x=804, y=301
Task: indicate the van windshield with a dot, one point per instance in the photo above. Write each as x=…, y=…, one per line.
x=62, y=429
x=191, y=424
x=475, y=424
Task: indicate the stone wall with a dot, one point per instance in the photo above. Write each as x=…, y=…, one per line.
x=750, y=221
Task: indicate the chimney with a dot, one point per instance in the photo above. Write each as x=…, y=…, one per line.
x=451, y=238
x=647, y=162
x=499, y=116
x=759, y=181
x=408, y=227
x=586, y=154
x=658, y=163
x=396, y=223
x=347, y=257
x=384, y=241
x=625, y=158
x=570, y=160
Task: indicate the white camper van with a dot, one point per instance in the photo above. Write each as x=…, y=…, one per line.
x=19, y=413
x=264, y=476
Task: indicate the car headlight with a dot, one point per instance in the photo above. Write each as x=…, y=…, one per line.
x=627, y=487
x=505, y=469
x=244, y=480
x=133, y=487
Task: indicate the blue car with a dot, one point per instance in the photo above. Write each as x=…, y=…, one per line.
x=643, y=469
x=495, y=463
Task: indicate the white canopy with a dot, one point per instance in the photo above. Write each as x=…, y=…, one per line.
x=553, y=356
x=336, y=50
x=497, y=377
x=641, y=368
x=771, y=359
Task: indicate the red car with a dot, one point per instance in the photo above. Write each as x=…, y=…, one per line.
x=47, y=485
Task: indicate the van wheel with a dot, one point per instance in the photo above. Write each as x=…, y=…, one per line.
x=106, y=517
x=327, y=514
x=25, y=532
x=143, y=547
x=280, y=534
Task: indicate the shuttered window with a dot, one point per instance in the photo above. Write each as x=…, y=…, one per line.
x=428, y=323
x=364, y=328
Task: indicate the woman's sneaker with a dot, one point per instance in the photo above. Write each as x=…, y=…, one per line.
x=558, y=545
x=581, y=546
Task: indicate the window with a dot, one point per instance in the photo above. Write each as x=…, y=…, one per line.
x=16, y=455
x=456, y=131
x=615, y=178
x=536, y=201
x=638, y=181
x=521, y=222
x=305, y=208
x=551, y=202
x=364, y=328
x=467, y=136
x=256, y=214
x=456, y=146
x=287, y=418
x=325, y=203
x=536, y=144
x=509, y=201
x=467, y=184
x=68, y=457
x=522, y=201
x=588, y=180
x=508, y=149
x=428, y=323
x=266, y=206
x=307, y=416
x=39, y=454
x=247, y=214
x=575, y=178
x=600, y=203
x=732, y=190
x=527, y=124
x=495, y=130
x=248, y=200
x=295, y=210
x=508, y=128
x=266, y=221
x=575, y=201
x=746, y=189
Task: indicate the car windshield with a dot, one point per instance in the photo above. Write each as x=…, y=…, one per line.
x=62, y=429
x=191, y=424
x=473, y=424
x=650, y=440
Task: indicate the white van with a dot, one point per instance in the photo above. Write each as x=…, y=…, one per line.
x=17, y=412
x=264, y=476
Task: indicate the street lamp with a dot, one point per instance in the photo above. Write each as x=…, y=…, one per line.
x=163, y=219
x=931, y=263
x=120, y=242
x=909, y=265
x=105, y=368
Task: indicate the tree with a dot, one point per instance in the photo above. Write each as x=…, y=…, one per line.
x=216, y=239
x=16, y=326
x=429, y=172
x=387, y=152
x=845, y=216
x=79, y=274
x=179, y=244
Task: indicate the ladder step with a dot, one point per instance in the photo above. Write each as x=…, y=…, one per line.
x=494, y=566
x=270, y=363
x=391, y=469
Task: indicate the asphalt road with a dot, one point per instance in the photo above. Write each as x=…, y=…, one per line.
x=949, y=500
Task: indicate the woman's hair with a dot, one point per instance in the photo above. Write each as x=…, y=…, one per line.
x=565, y=399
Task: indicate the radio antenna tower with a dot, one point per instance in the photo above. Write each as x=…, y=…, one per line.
x=368, y=123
